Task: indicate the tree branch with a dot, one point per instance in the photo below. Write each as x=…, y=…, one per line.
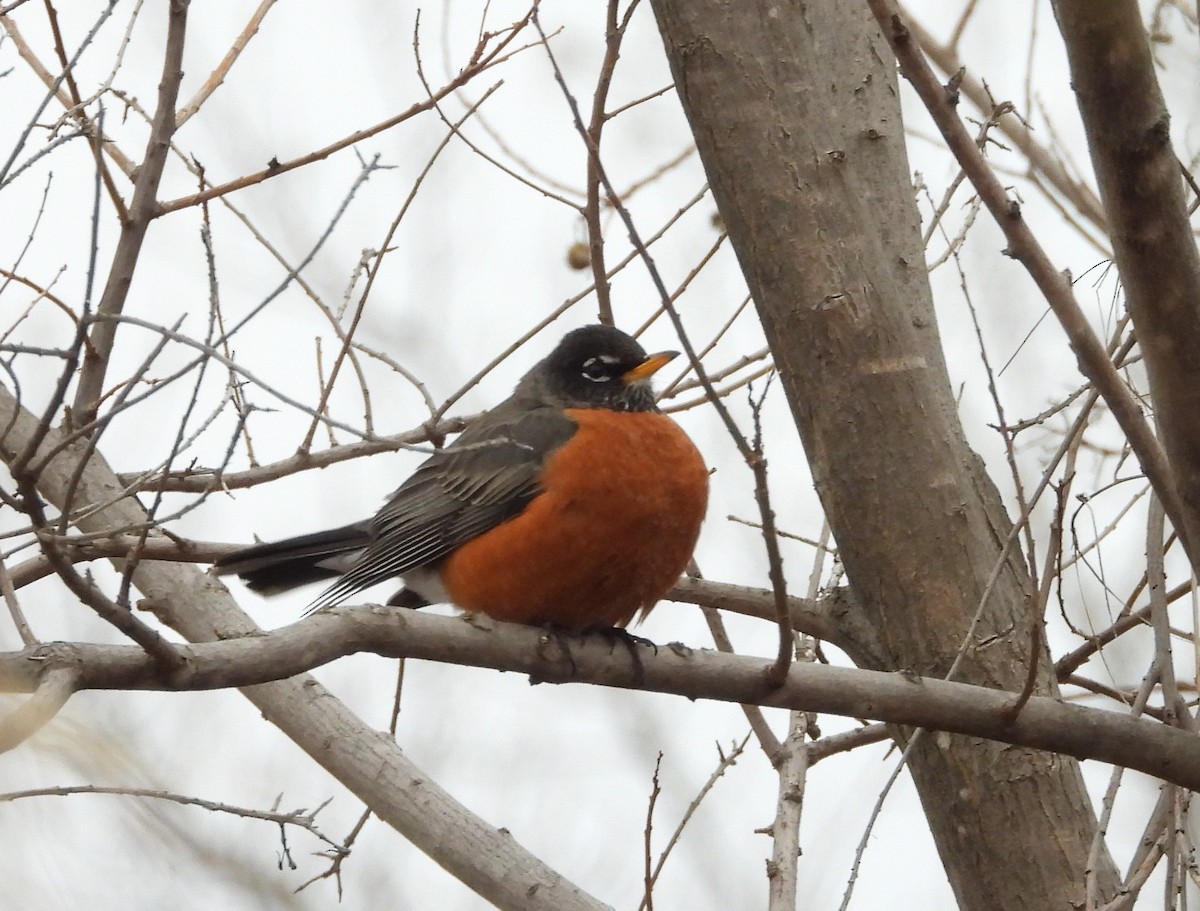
x=1023, y=246
x=480, y=62
x=302, y=819
x=1045, y=723
x=1128, y=131
x=142, y=210
x=54, y=687
x=1042, y=161
x=368, y=762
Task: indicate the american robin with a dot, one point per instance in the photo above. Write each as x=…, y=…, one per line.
x=574, y=503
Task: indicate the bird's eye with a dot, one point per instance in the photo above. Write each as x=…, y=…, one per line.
x=597, y=369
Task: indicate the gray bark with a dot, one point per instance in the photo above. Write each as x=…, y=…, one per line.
x=795, y=111
x=1142, y=188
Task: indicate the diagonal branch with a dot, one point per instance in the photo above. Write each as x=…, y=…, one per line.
x=480, y=62
x=368, y=762
x=217, y=76
x=53, y=689
x=1023, y=246
x=1128, y=132
x=1042, y=162
x=142, y=210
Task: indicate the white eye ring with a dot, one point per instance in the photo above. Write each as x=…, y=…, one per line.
x=596, y=368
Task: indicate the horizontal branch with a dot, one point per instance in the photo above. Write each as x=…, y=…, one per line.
x=827, y=618
x=1044, y=723
x=835, y=617
x=302, y=819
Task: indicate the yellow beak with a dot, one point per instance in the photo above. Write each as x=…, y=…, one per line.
x=647, y=368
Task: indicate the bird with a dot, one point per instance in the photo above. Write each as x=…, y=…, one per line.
x=573, y=504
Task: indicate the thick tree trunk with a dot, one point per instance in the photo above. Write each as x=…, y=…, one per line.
x=797, y=118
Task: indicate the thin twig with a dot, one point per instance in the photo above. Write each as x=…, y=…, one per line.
x=118, y=615
x=301, y=818
x=860, y=850
x=571, y=302
x=1037, y=606
x=1042, y=163
x=53, y=83
x=591, y=209
x=647, y=872
x=217, y=76
x=373, y=272
x=724, y=762
x=8, y=590
x=481, y=62
x=78, y=105
x=766, y=738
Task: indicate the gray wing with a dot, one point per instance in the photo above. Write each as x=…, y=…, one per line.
x=488, y=476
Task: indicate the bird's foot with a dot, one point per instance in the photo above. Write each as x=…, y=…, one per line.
x=615, y=635
x=561, y=637
x=618, y=634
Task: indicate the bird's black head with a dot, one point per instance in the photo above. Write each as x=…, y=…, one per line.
x=596, y=367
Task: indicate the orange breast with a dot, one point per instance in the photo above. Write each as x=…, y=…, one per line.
x=612, y=530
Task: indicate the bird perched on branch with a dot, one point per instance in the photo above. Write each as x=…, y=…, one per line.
x=574, y=503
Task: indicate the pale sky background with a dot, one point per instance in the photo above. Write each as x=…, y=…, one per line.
x=478, y=260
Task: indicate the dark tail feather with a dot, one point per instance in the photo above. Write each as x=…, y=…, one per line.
x=278, y=566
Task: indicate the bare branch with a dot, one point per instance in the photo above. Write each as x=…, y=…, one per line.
x=822, y=619
x=833, y=744
x=759, y=726
x=51, y=694
x=613, y=34
x=648, y=877
x=1024, y=247
x=1042, y=162
x=142, y=210
x=301, y=818
x=724, y=762
x=217, y=76
x=1046, y=723
x=480, y=63
x=1128, y=130
x=9, y=590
